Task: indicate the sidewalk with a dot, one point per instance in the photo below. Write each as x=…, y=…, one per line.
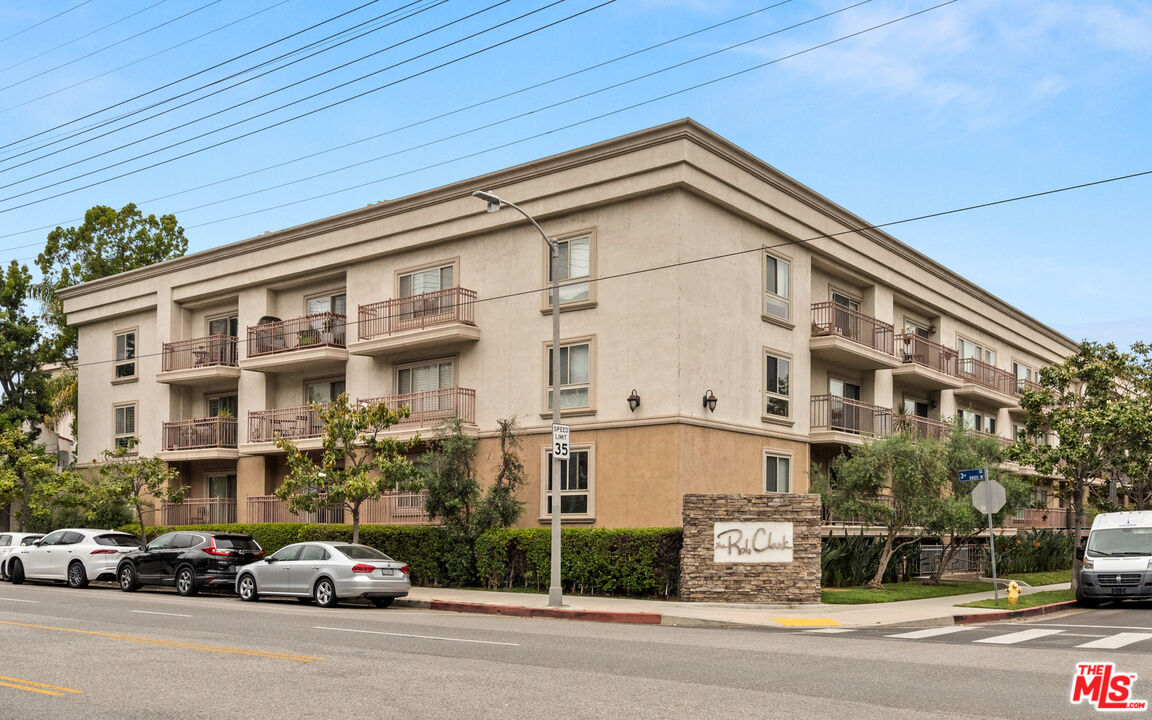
x=930, y=612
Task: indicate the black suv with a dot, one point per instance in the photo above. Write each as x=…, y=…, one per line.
x=189, y=560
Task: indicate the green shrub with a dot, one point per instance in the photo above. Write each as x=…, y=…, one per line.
x=851, y=560
x=634, y=562
x=1032, y=551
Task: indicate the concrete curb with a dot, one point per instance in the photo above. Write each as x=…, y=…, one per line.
x=968, y=619
x=631, y=618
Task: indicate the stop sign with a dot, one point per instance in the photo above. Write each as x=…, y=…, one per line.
x=988, y=497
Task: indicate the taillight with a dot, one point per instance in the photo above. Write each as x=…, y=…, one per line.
x=362, y=568
x=404, y=569
x=213, y=550
x=103, y=551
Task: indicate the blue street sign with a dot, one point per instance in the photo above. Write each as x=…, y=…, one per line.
x=977, y=475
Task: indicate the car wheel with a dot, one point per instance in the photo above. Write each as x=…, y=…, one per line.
x=77, y=577
x=16, y=570
x=246, y=588
x=4, y=570
x=185, y=581
x=127, y=578
x=382, y=602
x=325, y=593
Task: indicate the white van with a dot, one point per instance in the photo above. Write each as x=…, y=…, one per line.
x=1117, y=559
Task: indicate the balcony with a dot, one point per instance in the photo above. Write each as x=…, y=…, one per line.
x=439, y=319
x=431, y=408
x=850, y=339
x=925, y=427
x=200, y=361
x=295, y=423
x=202, y=439
x=394, y=508
x=926, y=365
x=313, y=342
x=841, y=421
x=986, y=383
x=199, y=511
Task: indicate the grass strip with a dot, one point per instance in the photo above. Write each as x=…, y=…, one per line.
x=1046, y=597
x=897, y=592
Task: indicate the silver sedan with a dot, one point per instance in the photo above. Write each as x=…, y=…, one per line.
x=326, y=572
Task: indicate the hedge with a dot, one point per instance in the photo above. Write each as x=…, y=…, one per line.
x=644, y=562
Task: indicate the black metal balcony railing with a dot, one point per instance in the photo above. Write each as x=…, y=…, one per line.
x=213, y=432
x=416, y=312
x=214, y=350
x=830, y=412
x=303, y=333
x=911, y=348
x=830, y=318
x=989, y=376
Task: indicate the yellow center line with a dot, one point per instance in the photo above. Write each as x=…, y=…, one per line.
x=31, y=689
x=43, y=685
x=172, y=643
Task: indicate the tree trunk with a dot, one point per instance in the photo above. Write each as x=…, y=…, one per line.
x=140, y=519
x=949, y=553
x=885, y=555
x=1077, y=523
x=355, y=523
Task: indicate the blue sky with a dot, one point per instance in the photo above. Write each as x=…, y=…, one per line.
x=967, y=103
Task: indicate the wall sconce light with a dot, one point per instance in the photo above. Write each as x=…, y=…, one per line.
x=931, y=329
x=709, y=401
x=633, y=401
x=931, y=404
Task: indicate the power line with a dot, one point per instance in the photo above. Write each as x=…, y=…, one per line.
x=108, y=47
x=220, y=90
x=282, y=122
x=81, y=37
x=762, y=248
x=33, y=27
x=420, y=122
x=192, y=75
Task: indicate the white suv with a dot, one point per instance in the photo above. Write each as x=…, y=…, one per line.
x=9, y=541
x=74, y=555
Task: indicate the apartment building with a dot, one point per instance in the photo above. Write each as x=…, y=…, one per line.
x=722, y=327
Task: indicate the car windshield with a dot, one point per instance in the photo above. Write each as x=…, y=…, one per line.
x=1120, y=542
x=361, y=552
x=236, y=542
x=117, y=540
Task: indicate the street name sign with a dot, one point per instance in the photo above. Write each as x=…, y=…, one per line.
x=973, y=475
x=560, y=445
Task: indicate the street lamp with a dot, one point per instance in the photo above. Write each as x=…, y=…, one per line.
x=555, y=589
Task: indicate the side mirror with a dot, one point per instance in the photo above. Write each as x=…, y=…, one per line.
x=37, y=543
x=269, y=559
x=142, y=547
x=1080, y=553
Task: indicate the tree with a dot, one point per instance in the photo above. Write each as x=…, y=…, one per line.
x=137, y=481
x=499, y=507
x=356, y=464
x=28, y=475
x=1134, y=423
x=22, y=379
x=1077, y=402
x=894, y=482
x=957, y=519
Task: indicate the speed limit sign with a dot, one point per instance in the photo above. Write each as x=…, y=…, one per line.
x=560, y=445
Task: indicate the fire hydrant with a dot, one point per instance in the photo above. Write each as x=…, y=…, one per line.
x=1013, y=592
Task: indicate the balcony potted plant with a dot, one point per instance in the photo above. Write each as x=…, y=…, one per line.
x=308, y=336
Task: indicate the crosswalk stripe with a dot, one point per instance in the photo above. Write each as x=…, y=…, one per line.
x=1017, y=637
x=1118, y=640
x=930, y=632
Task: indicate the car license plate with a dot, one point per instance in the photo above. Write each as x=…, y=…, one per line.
x=387, y=571
x=1118, y=591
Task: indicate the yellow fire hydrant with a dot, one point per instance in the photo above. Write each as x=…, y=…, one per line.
x=1013, y=592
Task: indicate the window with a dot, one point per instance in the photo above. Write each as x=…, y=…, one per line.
x=124, y=425
x=126, y=354
x=575, y=266
x=222, y=486
x=1018, y=432
x=575, y=375
x=225, y=405
x=328, y=330
x=915, y=407
x=229, y=326
x=777, y=473
x=288, y=553
x=776, y=385
x=431, y=280
x=327, y=303
x=575, y=483
x=845, y=301
x=323, y=391
x=435, y=375
x=777, y=293
x=313, y=553
x=911, y=327
x=978, y=421
x=971, y=350
x=1024, y=374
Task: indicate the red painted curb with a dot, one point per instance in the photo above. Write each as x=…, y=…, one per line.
x=1011, y=614
x=633, y=618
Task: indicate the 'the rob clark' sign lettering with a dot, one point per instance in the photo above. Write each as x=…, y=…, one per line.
x=753, y=542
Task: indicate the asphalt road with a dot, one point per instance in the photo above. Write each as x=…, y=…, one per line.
x=99, y=653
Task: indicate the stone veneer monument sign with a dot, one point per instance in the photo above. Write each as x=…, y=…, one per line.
x=751, y=548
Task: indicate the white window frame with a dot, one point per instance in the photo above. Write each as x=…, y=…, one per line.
x=453, y=264
x=988, y=356
x=590, y=383
x=590, y=491
x=775, y=456
x=397, y=369
x=123, y=439
x=771, y=394
x=125, y=361
x=771, y=296
x=570, y=281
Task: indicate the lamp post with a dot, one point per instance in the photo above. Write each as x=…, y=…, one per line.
x=555, y=589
